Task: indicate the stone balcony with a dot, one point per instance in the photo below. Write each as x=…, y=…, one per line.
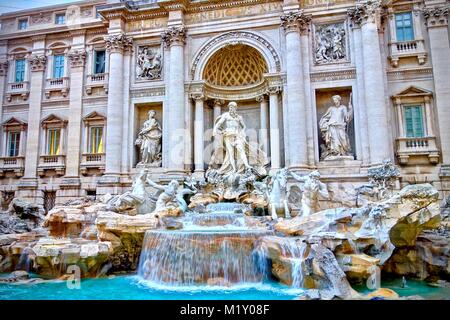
x=55, y=163
x=407, y=49
x=12, y=164
x=18, y=89
x=60, y=85
x=99, y=80
x=92, y=163
x=408, y=148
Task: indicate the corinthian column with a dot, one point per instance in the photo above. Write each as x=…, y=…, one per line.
x=292, y=23
x=116, y=44
x=174, y=38
x=274, y=128
x=263, y=120
x=437, y=24
x=367, y=14
x=37, y=65
x=77, y=59
x=199, y=129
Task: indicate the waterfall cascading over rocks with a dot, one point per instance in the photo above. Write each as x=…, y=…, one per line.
x=196, y=257
x=213, y=248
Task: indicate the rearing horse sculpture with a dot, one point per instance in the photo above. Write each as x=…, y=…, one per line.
x=278, y=199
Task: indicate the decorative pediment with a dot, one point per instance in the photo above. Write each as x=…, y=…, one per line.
x=14, y=122
x=413, y=91
x=94, y=117
x=54, y=121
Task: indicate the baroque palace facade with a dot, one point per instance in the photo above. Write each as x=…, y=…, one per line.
x=77, y=83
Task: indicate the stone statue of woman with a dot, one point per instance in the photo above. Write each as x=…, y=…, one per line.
x=149, y=139
x=333, y=126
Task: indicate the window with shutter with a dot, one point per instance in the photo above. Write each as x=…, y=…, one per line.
x=404, y=26
x=58, y=66
x=20, y=70
x=13, y=144
x=414, y=121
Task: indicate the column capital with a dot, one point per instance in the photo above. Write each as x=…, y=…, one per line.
x=77, y=58
x=118, y=43
x=4, y=68
x=37, y=62
x=261, y=98
x=197, y=96
x=436, y=16
x=218, y=103
x=365, y=12
x=295, y=21
x=274, y=90
x=174, y=36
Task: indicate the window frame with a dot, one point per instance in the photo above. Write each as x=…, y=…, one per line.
x=61, y=67
x=94, y=65
x=22, y=72
x=58, y=15
x=19, y=24
x=401, y=30
x=421, y=108
x=9, y=133
x=51, y=146
x=90, y=139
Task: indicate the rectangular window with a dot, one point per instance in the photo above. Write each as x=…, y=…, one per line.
x=404, y=26
x=99, y=66
x=53, y=141
x=13, y=144
x=22, y=24
x=96, y=140
x=20, y=70
x=58, y=66
x=414, y=121
x=60, y=18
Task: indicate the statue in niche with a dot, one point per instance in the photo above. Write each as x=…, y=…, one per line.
x=239, y=155
x=149, y=140
x=149, y=64
x=330, y=43
x=311, y=190
x=334, y=128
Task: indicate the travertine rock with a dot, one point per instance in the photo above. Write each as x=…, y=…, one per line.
x=126, y=234
x=52, y=257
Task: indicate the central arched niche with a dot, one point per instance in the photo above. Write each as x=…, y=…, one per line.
x=236, y=65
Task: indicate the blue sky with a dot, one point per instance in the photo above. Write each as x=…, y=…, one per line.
x=16, y=5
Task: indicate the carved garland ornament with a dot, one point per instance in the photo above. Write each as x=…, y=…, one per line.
x=436, y=16
x=77, y=58
x=233, y=38
x=4, y=68
x=37, y=62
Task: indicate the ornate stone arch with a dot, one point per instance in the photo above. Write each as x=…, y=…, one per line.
x=251, y=39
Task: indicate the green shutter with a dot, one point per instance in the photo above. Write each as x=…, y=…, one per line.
x=414, y=121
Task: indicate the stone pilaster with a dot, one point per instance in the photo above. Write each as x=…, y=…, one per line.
x=367, y=15
x=293, y=23
x=3, y=81
x=263, y=123
x=199, y=129
x=174, y=39
x=437, y=23
x=29, y=183
x=76, y=62
x=274, y=128
x=116, y=44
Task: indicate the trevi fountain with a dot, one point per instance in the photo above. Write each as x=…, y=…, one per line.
x=240, y=231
